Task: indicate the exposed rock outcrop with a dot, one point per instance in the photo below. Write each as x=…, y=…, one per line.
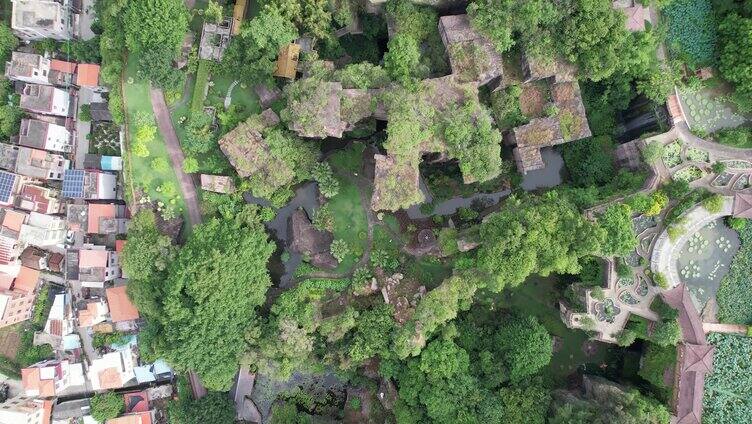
x=310, y=242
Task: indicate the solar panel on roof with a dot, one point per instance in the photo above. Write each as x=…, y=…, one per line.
x=7, y=181
x=73, y=183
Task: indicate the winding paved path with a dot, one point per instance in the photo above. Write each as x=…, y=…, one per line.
x=162, y=113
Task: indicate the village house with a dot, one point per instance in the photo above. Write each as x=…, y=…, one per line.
x=34, y=198
x=135, y=418
x=98, y=218
x=122, y=311
x=45, y=135
x=635, y=12
x=40, y=164
x=52, y=378
x=45, y=100
x=287, y=61
x=9, y=186
x=25, y=409
x=17, y=295
x=89, y=185
x=87, y=75
x=28, y=67
x=96, y=265
x=59, y=330
x=105, y=163
x=557, y=115
x=42, y=230
x=37, y=19
x=113, y=370
x=76, y=411
x=94, y=312
x=10, y=229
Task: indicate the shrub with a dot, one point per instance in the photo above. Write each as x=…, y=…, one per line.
x=190, y=165
x=339, y=249
x=105, y=406
x=653, y=152
x=719, y=167
x=735, y=137
x=160, y=165
x=85, y=113
x=713, y=204
x=660, y=280
x=737, y=224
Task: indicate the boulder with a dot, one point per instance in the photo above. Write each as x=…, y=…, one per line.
x=310, y=242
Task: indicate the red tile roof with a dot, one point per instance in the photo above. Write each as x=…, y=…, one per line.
x=742, y=205
x=62, y=66
x=98, y=211
x=119, y=245
x=121, y=307
x=88, y=75
x=27, y=279
x=136, y=402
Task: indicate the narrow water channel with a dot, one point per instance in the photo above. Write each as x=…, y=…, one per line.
x=306, y=197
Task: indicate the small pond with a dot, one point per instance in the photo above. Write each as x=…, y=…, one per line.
x=705, y=257
x=450, y=206
x=550, y=176
x=306, y=197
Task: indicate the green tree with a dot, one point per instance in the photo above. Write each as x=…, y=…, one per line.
x=8, y=41
x=735, y=57
x=607, y=403
x=595, y=38
x=653, y=152
x=146, y=255
x=590, y=161
x=213, y=12
x=620, y=237
x=402, y=59
x=713, y=203
x=214, y=408
x=207, y=301
x=155, y=25
x=252, y=55
x=540, y=235
x=339, y=249
x=526, y=347
x=328, y=183
x=371, y=336
x=310, y=16
x=526, y=404
x=105, y=406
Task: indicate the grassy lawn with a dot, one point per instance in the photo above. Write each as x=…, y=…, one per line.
x=538, y=297
x=199, y=86
x=138, y=102
x=350, y=222
x=242, y=96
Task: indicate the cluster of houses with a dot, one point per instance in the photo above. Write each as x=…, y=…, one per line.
x=63, y=225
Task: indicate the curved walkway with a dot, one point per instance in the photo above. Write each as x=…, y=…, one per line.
x=162, y=114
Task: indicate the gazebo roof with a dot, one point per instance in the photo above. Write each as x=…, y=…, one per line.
x=742, y=205
x=698, y=358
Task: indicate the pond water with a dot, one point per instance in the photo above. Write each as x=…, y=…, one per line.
x=450, y=206
x=306, y=197
x=704, y=259
x=550, y=176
